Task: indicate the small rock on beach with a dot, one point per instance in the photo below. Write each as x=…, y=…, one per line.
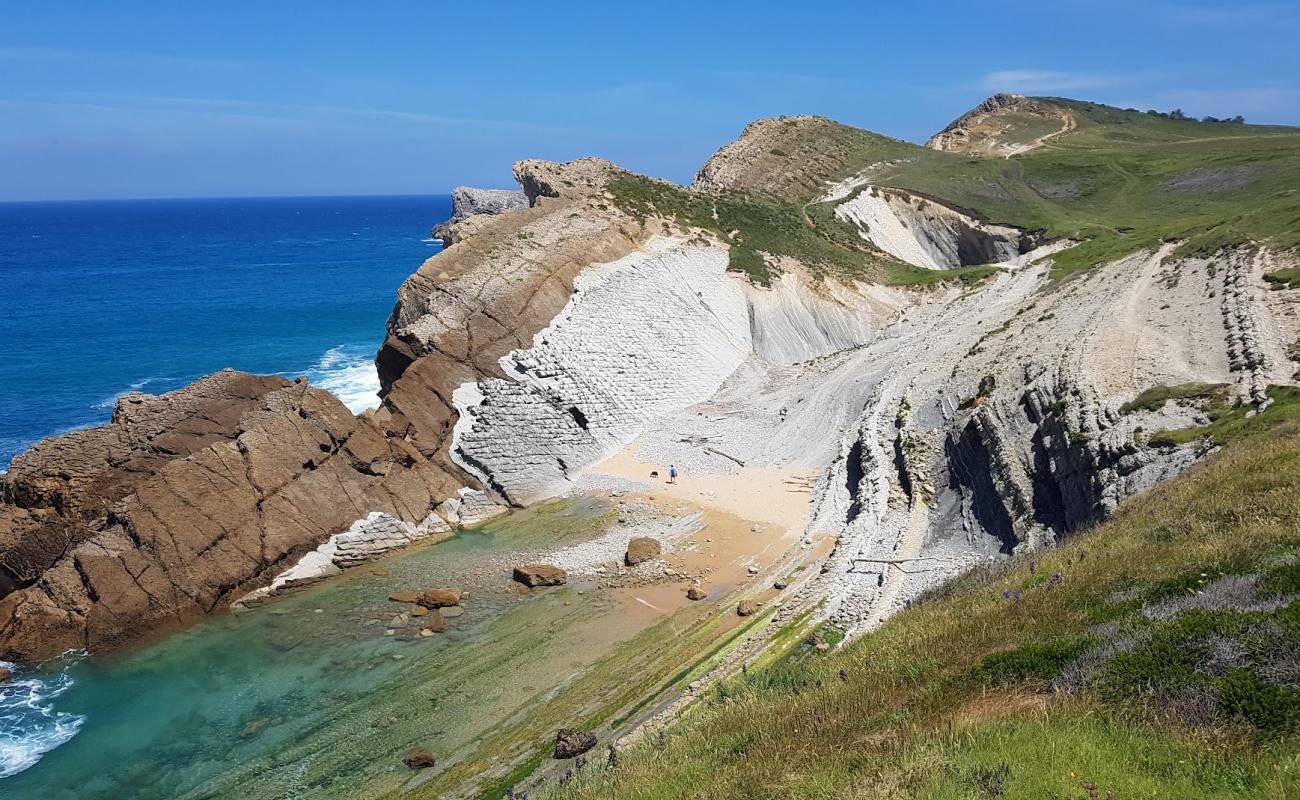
x=534, y=575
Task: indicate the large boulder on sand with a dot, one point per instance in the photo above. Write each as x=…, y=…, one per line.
x=570, y=743
x=642, y=549
x=534, y=575
x=746, y=608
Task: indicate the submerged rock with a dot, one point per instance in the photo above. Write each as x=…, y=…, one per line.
x=419, y=758
x=6, y=675
x=571, y=743
x=439, y=598
x=255, y=726
x=534, y=575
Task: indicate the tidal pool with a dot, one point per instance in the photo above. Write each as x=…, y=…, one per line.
x=308, y=696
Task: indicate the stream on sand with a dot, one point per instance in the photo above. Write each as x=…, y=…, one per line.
x=308, y=697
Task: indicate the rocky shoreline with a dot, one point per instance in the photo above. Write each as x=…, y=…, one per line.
x=567, y=324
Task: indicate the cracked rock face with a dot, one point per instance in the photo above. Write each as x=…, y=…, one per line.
x=185, y=501
x=471, y=305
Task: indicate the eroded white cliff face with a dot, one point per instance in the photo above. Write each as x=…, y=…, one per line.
x=642, y=337
x=925, y=233
x=795, y=321
x=653, y=331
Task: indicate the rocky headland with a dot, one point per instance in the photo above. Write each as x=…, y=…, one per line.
x=908, y=366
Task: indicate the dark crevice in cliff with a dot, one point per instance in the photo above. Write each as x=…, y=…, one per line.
x=853, y=482
x=971, y=468
x=578, y=417
x=9, y=582
x=900, y=467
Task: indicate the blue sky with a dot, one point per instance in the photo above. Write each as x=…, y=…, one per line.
x=167, y=99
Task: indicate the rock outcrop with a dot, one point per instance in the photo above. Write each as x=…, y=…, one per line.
x=468, y=307
x=468, y=202
x=790, y=158
x=571, y=743
x=998, y=125
x=186, y=501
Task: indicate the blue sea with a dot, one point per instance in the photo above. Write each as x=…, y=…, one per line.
x=101, y=298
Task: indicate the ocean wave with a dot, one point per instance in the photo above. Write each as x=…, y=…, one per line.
x=348, y=372
x=29, y=725
x=111, y=401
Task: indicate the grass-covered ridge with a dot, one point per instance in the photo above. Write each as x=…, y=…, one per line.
x=756, y=226
x=1155, y=657
x=1120, y=181
x=1126, y=180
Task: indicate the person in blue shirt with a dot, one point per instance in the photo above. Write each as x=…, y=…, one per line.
x=672, y=473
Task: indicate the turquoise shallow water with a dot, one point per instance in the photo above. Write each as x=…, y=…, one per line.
x=307, y=697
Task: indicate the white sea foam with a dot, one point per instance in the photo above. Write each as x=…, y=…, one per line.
x=109, y=402
x=348, y=373
x=29, y=725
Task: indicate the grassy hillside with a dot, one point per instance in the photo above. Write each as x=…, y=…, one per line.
x=1120, y=180
x=1125, y=180
x=1156, y=657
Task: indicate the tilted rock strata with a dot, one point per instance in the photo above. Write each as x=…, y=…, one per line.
x=160, y=528
x=468, y=307
x=650, y=332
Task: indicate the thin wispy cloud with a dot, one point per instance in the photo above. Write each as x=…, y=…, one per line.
x=256, y=109
x=1041, y=80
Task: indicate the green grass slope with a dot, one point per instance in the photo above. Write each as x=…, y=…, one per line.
x=1120, y=181
x=1155, y=657
x=1128, y=180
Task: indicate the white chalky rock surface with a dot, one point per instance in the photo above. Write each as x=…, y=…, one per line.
x=925, y=233
x=791, y=322
x=476, y=507
x=645, y=335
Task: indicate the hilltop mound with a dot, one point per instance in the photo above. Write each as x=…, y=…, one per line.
x=792, y=158
x=1003, y=125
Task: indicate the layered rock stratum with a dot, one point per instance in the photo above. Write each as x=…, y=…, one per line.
x=908, y=324
x=185, y=501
